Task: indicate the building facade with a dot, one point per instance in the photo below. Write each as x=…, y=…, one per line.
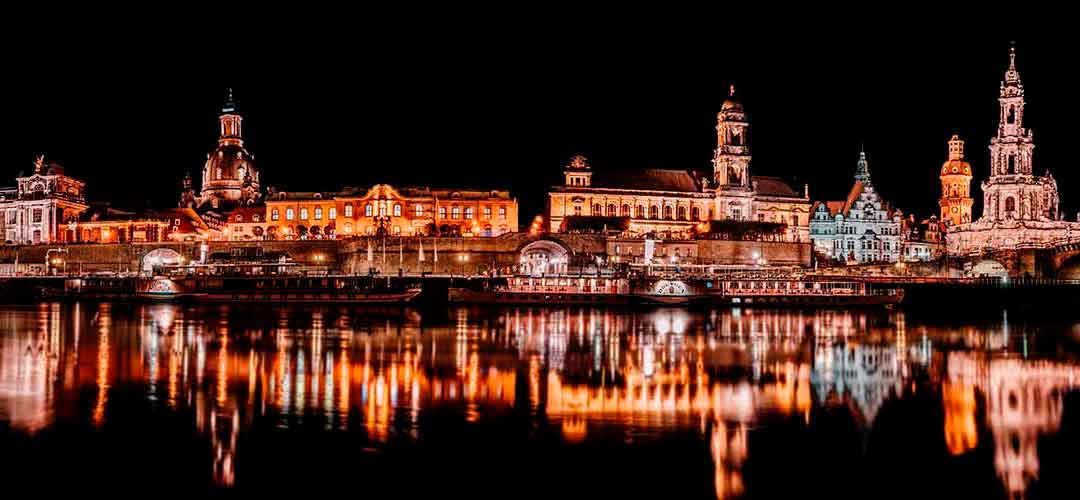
x=38, y=209
x=674, y=203
x=956, y=200
x=923, y=240
x=1020, y=209
x=863, y=228
x=386, y=210
x=229, y=176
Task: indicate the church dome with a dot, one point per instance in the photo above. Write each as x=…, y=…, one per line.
x=731, y=105
x=956, y=167
x=229, y=162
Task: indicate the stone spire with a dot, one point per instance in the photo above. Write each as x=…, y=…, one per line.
x=862, y=169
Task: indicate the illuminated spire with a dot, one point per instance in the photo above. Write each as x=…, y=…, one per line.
x=230, y=104
x=1012, y=76
x=731, y=90
x=862, y=170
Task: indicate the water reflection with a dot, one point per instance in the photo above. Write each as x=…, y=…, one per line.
x=581, y=374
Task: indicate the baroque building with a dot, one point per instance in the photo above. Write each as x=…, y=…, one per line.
x=229, y=177
x=955, y=176
x=674, y=203
x=860, y=229
x=386, y=210
x=1020, y=208
x=39, y=208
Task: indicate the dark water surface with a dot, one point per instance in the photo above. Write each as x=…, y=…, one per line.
x=162, y=400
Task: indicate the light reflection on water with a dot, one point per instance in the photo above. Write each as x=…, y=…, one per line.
x=583, y=375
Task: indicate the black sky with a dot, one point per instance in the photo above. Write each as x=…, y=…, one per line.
x=498, y=108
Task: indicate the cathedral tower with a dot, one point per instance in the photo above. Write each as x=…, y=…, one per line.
x=1013, y=191
x=731, y=162
x=955, y=177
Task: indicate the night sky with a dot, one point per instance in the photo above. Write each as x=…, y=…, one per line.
x=502, y=108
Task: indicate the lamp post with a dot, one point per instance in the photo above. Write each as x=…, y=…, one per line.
x=50, y=263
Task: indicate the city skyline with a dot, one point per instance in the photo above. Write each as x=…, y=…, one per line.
x=289, y=130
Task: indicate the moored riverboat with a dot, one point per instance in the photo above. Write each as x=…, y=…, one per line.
x=549, y=290
x=801, y=291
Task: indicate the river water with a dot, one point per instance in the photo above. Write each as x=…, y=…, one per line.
x=571, y=402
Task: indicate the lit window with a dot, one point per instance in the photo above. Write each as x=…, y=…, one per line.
x=37, y=215
x=456, y=211
x=303, y=214
x=442, y=212
x=419, y=210
x=318, y=213
x=397, y=210
x=397, y=230
x=289, y=214
x=255, y=218
x=274, y=214
x=348, y=210
x=333, y=213
x=368, y=211
x=487, y=212
x=502, y=212
x=382, y=210
x=468, y=212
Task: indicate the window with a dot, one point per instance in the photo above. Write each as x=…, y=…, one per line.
x=397, y=230
x=348, y=210
x=318, y=213
x=274, y=214
x=12, y=217
x=332, y=213
x=303, y=214
x=1010, y=204
x=419, y=210
x=442, y=212
x=468, y=212
x=695, y=213
x=640, y=212
x=654, y=212
x=397, y=210
x=681, y=213
x=37, y=215
x=502, y=212
x=596, y=210
x=289, y=214
x=239, y=218
x=368, y=210
x=626, y=210
x=1012, y=164
x=761, y=217
x=667, y=213
x=487, y=212
x=611, y=210
x=456, y=212
x=577, y=210
x=382, y=210
x=255, y=218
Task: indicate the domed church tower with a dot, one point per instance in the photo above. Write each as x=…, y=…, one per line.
x=229, y=176
x=955, y=176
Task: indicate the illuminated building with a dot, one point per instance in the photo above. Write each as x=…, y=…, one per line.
x=383, y=209
x=229, y=176
x=675, y=203
x=1020, y=209
x=956, y=198
x=39, y=207
x=922, y=241
x=862, y=228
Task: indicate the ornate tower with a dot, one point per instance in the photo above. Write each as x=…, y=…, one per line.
x=862, y=168
x=731, y=161
x=1013, y=192
x=577, y=172
x=955, y=176
x=229, y=174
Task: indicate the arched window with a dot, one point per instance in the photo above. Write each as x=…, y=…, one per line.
x=1011, y=115
x=397, y=210
x=468, y=212
x=368, y=210
x=667, y=212
x=1012, y=164
x=654, y=212
x=695, y=213
x=611, y=210
x=626, y=210
x=333, y=213
x=318, y=213
x=596, y=210
x=419, y=210
x=681, y=213
x=348, y=210
x=640, y=212
x=1010, y=204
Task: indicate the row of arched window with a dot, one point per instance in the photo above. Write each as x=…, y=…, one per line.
x=679, y=213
